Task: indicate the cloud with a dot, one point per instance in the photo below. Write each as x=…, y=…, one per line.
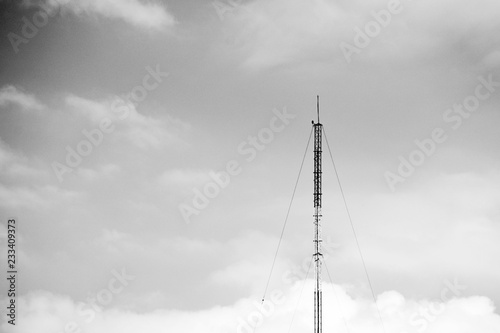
x=143, y=131
x=184, y=178
x=46, y=312
x=444, y=224
x=282, y=32
x=149, y=15
x=15, y=165
x=93, y=110
x=34, y=197
x=238, y=274
x=116, y=242
x=12, y=95
x=492, y=60
x=103, y=172
x=23, y=182
x=6, y=154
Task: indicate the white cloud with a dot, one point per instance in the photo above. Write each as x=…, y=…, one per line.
x=45, y=312
x=12, y=95
x=144, y=14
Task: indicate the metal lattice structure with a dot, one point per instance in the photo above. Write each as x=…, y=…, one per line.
x=318, y=311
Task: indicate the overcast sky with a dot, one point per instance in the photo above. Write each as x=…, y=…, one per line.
x=149, y=151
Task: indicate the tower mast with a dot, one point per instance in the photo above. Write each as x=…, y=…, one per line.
x=318, y=128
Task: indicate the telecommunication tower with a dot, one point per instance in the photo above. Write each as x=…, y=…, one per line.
x=317, y=256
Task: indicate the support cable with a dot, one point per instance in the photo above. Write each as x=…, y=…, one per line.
x=354, y=233
x=286, y=218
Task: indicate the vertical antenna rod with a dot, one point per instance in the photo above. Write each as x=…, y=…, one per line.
x=318, y=127
x=317, y=105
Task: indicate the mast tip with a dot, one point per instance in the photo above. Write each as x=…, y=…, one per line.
x=317, y=103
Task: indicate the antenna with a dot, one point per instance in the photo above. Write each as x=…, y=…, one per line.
x=317, y=103
x=318, y=302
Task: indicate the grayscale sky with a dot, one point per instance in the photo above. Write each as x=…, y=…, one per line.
x=149, y=151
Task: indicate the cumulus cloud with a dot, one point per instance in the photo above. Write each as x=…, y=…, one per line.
x=9, y=94
x=149, y=15
x=46, y=312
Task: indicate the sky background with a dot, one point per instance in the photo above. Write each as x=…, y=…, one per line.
x=232, y=67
